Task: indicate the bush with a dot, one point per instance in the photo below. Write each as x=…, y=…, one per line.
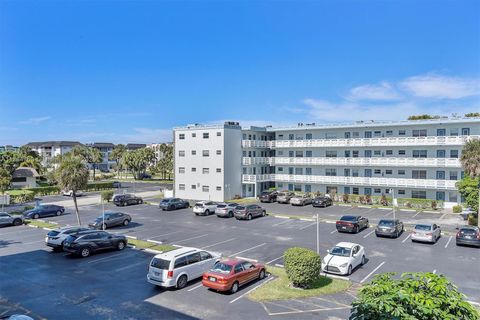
x=45, y=191
x=457, y=209
x=21, y=196
x=472, y=220
x=302, y=266
x=434, y=205
x=99, y=186
x=422, y=296
x=345, y=198
x=107, y=195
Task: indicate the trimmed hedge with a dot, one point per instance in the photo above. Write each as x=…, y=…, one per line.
x=387, y=201
x=457, y=209
x=21, y=196
x=302, y=266
x=45, y=191
x=99, y=186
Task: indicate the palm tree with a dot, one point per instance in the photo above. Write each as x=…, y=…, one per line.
x=470, y=160
x=117, y=155
x=95, y=156
x=72, y=174
x=5, y=180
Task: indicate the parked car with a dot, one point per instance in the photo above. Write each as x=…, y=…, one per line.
x=126, y=199
x=468, y=235
x=55, y=238
x=229, y=275
x=344, y=258
x=44, y=210
x=116, y=184
x=111, y=219
x=284, y=197
x=322, y=202
x=466, y=212
x=173, y=204
x=268, y=196
x=87, y=242
x=300, y=200
x=351, y=224
x=249, y=211
x=175, y=268
x=390, y=228
x=426, y=232
x=10, y=220
x=204, y=208
x=226, y=209
x=69, y=193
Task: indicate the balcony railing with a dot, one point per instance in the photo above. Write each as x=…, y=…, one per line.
x=390, y=162
x=256, y=144
x=256, y=160
x=251, y=178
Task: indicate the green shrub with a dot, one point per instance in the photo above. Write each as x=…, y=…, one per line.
x=472, y=220
x=457, y=209
x=345, y=198
x=45, y=191
x=107, y=195
x=99, y=186
x=21, y=196
x=302, y=266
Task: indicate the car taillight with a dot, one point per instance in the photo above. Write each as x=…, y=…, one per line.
x=413, y=232
x=222, y=281
x=170, y=274
x=478, y=235
x=458, y=234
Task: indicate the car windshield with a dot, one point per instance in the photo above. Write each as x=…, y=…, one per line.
x=282, y=194
x=423, y=227
x=160, y=263
x=198, y=204
x=385, y=223
x=340, y=251
x=349, y=218
x=166, y=200
x=53, y=233
x=221, y=267
x=265, y=193
x=221, y=206
x=71, y=238
x=240, y=208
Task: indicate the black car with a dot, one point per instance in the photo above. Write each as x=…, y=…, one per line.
x=389, y=228
x=351, y=224
x=111, y=219
x=173, y=204
x=268, y=196
x=322, y=202
x=126, y=199
x=87, y=242
x=44, y=210
x=468, y=235
x=116, y=184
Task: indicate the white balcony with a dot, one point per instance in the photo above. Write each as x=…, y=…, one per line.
x=256, y=160
x=252, y=178
x=256, y=144
x=366, y=181
x=388, y=162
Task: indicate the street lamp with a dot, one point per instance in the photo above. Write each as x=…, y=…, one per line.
x=393, y=202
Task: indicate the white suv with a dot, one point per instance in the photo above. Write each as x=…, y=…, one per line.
x=175, y=268
x=55, y=238
x=205, y=207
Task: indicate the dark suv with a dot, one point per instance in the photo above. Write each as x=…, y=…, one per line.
x=87, y=242
x=389, y=228
x=111, y=219
x=351, y=224
x=173, y=204
x=126, y=199
x=268, y=196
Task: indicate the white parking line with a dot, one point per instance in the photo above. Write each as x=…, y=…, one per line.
x=129, y=266
x=163, y=235
x=283, y=222
x=374, y=270
x=409, y=235
x=247, y=259
x=203, y=235
x=443, y=215
x=105, y=258
x=449, y=239
x=255, y=288
x=212, y=245
x=235, y=254
x=196, y=287
x=368, y=233
x=416, y=214
x=275, y=259
x=309, y=225
x=333, y=231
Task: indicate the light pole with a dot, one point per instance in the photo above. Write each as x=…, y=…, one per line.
x=393, y=202
x=103, y=213
x=318, y=235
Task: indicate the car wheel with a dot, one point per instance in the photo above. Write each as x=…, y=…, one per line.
x=264, y=213
x=17, y=222
x=182, y=282
x=234, y=287
x=196, y=213
x=363, y=260
x=230, y=214
x=85, y=252
x=120, y=245
x=356, y=229
x=36, y=216
x=104, y=226
x=207, y=212
x=262, y=274
x=349, y=272
x=249, y=217
x=59, y=213
x=126, y=222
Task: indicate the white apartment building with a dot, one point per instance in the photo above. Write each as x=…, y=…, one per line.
x=157, y=148
x=105, y=148
x=417, y=159
x=49, y=149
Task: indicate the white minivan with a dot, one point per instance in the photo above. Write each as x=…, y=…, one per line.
x=175, y=268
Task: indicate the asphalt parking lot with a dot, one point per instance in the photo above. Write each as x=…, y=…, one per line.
x=262, y=239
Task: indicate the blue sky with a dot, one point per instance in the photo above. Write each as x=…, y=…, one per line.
x=129, y=71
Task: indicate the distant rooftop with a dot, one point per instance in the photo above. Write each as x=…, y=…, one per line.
x=53, y=143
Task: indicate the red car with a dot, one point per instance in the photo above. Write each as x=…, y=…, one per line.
x=229, y=275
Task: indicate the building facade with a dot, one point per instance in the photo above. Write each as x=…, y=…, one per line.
x=415, y=159
x=8, y=148
x=157, y=148
x=105, y=149
x=49, y=149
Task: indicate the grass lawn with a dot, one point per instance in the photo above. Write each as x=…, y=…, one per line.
x=17, y=192
x=140, y=244
x=244, y=200
x=279, y=288
x=41, y=224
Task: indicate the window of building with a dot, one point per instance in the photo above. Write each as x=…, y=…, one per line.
x=441, y=153
x=181, y=153
x=419, y=133
x=290, y=170
x=402, y=132
x=347, y=135
x=308, y=136
x=419, y=153
x=368, y=172
x=291, y=136
x=219, y=134
x=219, y=152
x=219, y=170
x=299, y=154
x=346, y=190
x=347, y=154
x=401, y=191
x=440, y=175
x=291, y=154
x=280, y=137
x=389, y=152
x=356, y=134
x=419, y=194
x=205, y=153
x=194, y=152
x=280, y=185
x=330, y=172
x=330, y=135
x=401, y=172
x=465, y=131
x=388, y=171
x=368, y=191
x=297, y=187
x=219, y=188
x=308, y=171
x=377, y=133
x=331, y=153
x=453, y=175
x=244, y=170
x=354, y=172
x=355, y=153
x=389, y=133
x=355, y=190
x=377, y=171
x=205, y=170
x=453, y=153
x=193, y=187
x=441, y=132
x=377, y=153
x=308, y=153
x=298, y=171
x=419, y=174
x=368, y=134
x=194, y=135
x=440, y=196
x=280, y=169
x=367, y=153
x=346, y=172
x=401, y=152
x=181, y=136
x=280, y=152
x=181, y=169
x=377, y=190
x=205, y=188
x=454, y=131
x=181, y=186
x=194, y=169
x=308, y=188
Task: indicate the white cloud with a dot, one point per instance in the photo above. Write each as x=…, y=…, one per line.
x=441, y=87
x=36, y=121
x=382, y=92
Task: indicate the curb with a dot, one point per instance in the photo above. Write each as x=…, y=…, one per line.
x=131, y=237
x=154, y=241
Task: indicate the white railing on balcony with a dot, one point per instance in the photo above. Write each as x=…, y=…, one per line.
x=256, y=160
x=251, y=178
x=360, y=142
x=390, y=162
x=366, y=181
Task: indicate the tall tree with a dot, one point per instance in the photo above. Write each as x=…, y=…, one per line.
x=117, y=155
x=72, y=174
x=90, y=155
x=138, y=161
x=470, y=160
x=32, y=162
x=5, y=180
x=10, y=160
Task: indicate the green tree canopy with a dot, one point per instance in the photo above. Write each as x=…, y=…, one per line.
x=470, y=157
x=422, y=117
x=138, y=161
x=472, y=114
